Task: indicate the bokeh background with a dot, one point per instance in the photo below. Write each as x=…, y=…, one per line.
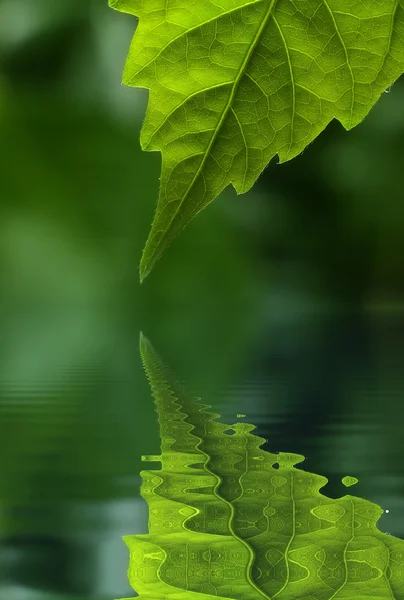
x=286, y=304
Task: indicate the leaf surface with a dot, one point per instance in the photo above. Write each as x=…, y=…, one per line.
x=235, y=82
x=225, y=522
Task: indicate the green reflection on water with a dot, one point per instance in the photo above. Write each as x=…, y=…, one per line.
x=228, y=519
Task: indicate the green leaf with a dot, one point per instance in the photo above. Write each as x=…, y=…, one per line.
x=224, y=522
x=235, y=82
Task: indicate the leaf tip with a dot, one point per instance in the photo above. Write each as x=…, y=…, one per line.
x=143, y=342
x=145, y=347
x=147, y=263
x=143, y=273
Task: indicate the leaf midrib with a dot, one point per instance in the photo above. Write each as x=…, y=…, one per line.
x=345, y=551
x=231, y=518
x=292, y=537
x=228, y=106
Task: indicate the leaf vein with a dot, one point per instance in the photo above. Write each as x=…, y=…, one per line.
x=181, y=104
x=292, y=79
x=245, y=144
x=185, y=33
x=237, y=80
x=348, y=63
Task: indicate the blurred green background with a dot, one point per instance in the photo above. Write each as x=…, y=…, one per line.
x=285, y=303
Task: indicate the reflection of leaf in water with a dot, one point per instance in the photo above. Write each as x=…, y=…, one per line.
x=224, y=522
x=348, y=480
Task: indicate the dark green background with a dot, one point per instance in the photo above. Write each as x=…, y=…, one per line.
x=285, y=303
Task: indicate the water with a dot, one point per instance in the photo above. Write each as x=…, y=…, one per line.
x=330, y=388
